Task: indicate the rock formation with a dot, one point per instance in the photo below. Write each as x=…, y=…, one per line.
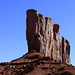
x=43, y=36
x=47, y=54
x=65, y=51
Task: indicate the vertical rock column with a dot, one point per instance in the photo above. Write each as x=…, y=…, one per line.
x=49, y=37
x=39, y=33
x=56, y=44
x=31, y=32
x=65, y=51
x=60, y=51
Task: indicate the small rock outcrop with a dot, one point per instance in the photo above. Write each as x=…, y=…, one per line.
x=43, y=36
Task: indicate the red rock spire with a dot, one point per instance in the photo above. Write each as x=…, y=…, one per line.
x=43, y=36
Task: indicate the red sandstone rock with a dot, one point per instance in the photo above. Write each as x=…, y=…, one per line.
x=43, y=36
x=46, y=55
x=34, y=63
x=65, y=51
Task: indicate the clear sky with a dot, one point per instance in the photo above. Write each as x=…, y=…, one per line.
x=13, y=42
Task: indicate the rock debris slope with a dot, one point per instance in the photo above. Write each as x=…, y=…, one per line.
x=47, y=54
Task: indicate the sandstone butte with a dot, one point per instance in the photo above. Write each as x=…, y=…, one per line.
x=47, y=54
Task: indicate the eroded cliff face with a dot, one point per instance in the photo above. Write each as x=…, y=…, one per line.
x=48, y=55
x=43, y=36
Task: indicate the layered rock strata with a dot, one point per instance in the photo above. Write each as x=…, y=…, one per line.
x=43, y=36
x=34, y=63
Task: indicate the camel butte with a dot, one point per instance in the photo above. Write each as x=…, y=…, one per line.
x=47, y=54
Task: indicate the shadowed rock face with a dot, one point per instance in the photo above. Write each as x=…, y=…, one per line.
x=43, y=36
x=65, y=50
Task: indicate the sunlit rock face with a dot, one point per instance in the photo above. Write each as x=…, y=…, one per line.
x=57, y=50
x=43, y=36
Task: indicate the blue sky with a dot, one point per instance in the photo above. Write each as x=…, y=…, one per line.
x=13, y=42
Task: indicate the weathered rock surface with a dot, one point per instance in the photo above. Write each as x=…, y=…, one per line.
x=65, y=50
x=34, y=63
x=47, y=54
x=43, y=36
